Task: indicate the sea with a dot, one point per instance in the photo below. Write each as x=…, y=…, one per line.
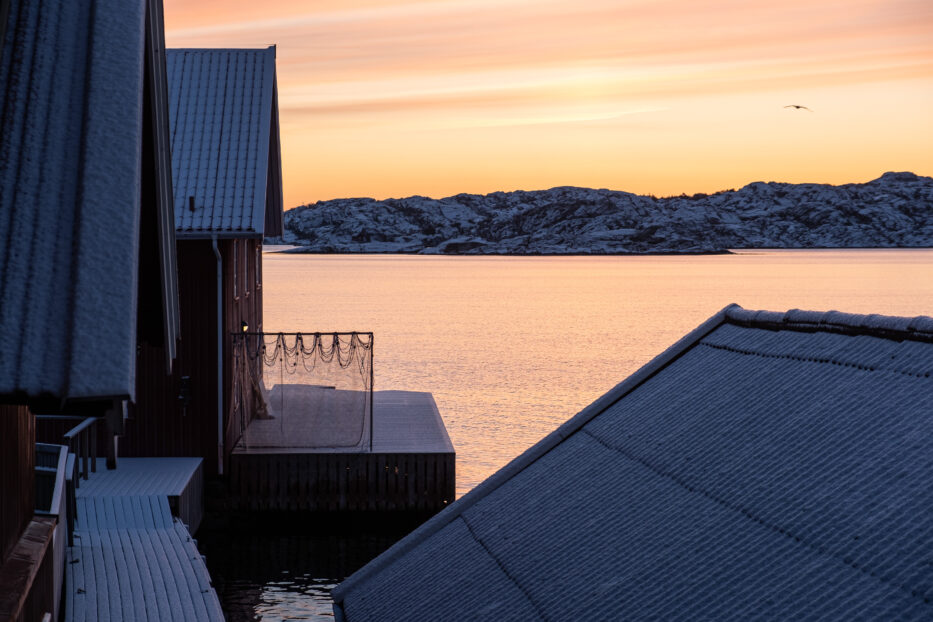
x=511, y=347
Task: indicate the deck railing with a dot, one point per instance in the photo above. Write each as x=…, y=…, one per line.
x=81, y=441
x=311, y=390
x=81, y=459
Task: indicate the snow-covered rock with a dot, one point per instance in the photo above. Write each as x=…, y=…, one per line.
x=895, y=210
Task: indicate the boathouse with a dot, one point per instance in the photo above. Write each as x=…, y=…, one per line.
x=767, y=465
x=226, y=168
x=336, y=445
x=87, y=268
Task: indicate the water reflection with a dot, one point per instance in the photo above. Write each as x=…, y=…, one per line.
x=511, y=347
x=284, y=569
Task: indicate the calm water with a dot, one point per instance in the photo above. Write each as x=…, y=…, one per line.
x=511, y=347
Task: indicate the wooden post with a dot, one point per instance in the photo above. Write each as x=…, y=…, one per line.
x=114, y=418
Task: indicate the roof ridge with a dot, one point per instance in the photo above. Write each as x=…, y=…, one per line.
x=918, y=328
x=265, y=48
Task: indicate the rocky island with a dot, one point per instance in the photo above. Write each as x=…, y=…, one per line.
x=895, y=210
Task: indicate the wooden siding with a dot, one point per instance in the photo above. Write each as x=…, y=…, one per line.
x=17, y=474
x=161, y=425
x=342, y=482
x=242, y=303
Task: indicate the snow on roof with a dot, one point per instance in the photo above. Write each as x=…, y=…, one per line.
x=225, y=142
x=766, y=466
x=70, y=144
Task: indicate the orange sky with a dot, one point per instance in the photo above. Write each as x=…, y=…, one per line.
x=390, y=99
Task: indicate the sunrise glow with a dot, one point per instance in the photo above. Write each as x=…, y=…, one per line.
x=389, y=99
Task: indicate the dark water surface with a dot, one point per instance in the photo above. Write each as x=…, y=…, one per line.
x=284, y=568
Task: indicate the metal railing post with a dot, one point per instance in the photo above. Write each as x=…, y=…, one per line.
x=372, y=345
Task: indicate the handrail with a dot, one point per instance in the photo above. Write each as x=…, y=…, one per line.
x=315, y=332
x=81, y=441
x=86, y=423
x=58, y=470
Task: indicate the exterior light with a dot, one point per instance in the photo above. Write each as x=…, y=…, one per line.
x=245, y=327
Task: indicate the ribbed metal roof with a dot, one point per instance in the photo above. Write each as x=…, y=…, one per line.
x=767, y=466
x=71, y=134
x=224, y=125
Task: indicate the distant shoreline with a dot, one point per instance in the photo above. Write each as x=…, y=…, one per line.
x=893, y=211
x=303, y=250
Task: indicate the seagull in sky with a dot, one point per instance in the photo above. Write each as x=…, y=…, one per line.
x=798, y=107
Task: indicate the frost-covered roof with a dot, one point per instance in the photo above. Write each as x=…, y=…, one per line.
x=768, y=465
x=225, y=142
x=72, y=79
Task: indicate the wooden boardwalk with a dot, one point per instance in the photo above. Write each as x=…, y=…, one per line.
x=280, y=465
x=132, y=559
x=181, y=480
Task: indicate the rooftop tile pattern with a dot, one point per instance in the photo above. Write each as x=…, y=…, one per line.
x=221, y=113
x=71, y=81
x=768, y=466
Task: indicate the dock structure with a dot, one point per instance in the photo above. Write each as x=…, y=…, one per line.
x=281, y=464
x=133, y=556
x=179, y=480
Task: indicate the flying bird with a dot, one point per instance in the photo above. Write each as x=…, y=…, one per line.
x=798, y=107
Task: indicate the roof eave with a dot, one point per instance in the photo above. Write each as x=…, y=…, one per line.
x=207, y=234
x=155, y=56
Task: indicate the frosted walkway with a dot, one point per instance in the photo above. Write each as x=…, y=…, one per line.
x=131, y=559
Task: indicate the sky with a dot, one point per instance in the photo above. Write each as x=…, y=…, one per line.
x=391, y=99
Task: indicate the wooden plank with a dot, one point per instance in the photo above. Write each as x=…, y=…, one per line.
x=20, y=568
x=263, y=482
x=162, y=578
x=293, y=479
x=147, y=585
x=126, y=594
x=281, y=476
x=189, y=591
x=101, y=578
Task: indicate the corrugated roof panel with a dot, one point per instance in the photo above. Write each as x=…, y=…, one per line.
x=70, y=165
x=767, y=466
x=221, y=111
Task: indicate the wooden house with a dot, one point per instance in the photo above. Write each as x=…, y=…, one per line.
x=226, y=168
x=87, y=267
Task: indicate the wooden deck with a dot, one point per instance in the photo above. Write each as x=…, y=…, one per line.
x=280, y=463
x=133, y=559
x=181, y=480
x=308, y=416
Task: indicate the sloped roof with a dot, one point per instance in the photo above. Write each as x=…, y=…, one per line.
x=73, y=78
x=223, y=105
x=768, y=465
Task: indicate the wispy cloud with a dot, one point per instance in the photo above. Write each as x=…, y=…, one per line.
x=374, y=68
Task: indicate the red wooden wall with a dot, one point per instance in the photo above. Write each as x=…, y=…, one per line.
x=17, y=474
x=160, y=423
